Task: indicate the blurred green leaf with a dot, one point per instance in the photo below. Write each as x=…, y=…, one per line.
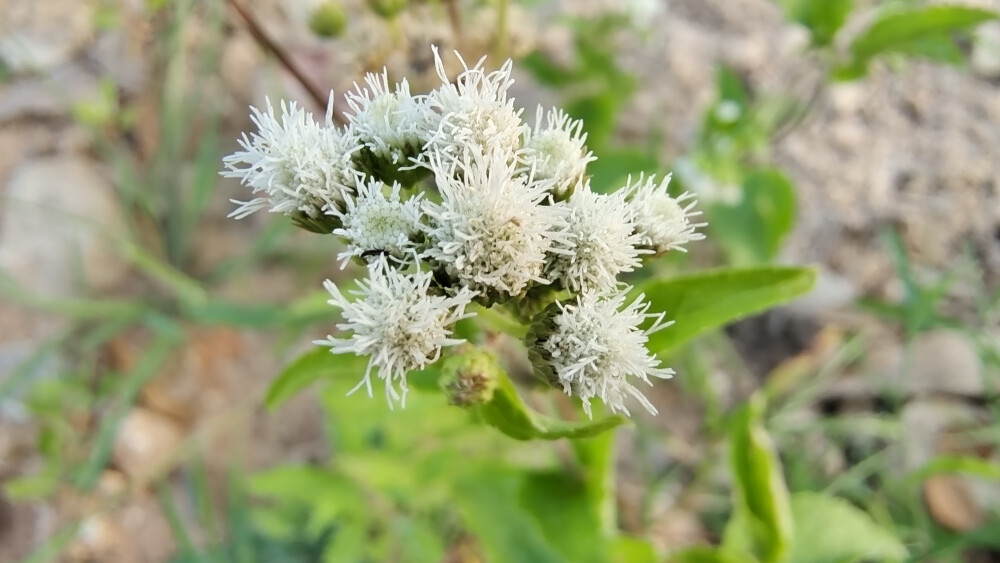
x=764, y=516
x=753, y=230
x=487, y=501
x=597, y=457
x=823, y=18
x=559, y=504
x=710, y=555
x=973, y=466
x=628, y=549
x=508, y=413
x=309, y=368
x=613, y=167
x=831, y=530
x=898, y=30
x=707, y=300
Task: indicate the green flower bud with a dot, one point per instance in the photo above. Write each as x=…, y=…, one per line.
x=329, y=20
x=388, y=9
x=470, y=377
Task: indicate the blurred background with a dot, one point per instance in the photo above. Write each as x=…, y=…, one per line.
x=140, y=328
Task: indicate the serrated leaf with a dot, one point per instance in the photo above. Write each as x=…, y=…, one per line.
x=707, y=300
x=831, y=530
x=508, y=413
x=896, y=31
x=309, y=368
x=762, y=512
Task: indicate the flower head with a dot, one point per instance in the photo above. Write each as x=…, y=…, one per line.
x=556, y=150
x=473, y=114
x=490, y=231
x=300, y=166
x=595, y=346
x=376, y=223
x=392, y=124
x=398, y=321
x=662, y=221
x=604, y=242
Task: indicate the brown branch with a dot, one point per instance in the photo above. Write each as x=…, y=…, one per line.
x=454, y=17
x=314, y=91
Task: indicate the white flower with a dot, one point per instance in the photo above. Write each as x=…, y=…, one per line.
x=398, y=322
x=299, y=165
x=604, y=242
x=663, y=222
x=597, y=346
x=373, y=222
x=556, y=149
x=490, y=230
x=392, y=124
x=473, y=114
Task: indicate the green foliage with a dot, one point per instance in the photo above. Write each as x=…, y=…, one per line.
x=596, y=89
x=708, y=300
x=918, y=30
x=762, y=522
x=831, y=530
x=752, y=230
x=508, y=413
x=823, y=18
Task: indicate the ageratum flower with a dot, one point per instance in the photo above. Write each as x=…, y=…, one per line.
x=473, y=114
x=376, y=223
x=662, y=221
x=490, y=231
x=604, y=242
x=392, y=124
x=301, y=168
x=555, y=149
x=595, y=347
x=398, y=321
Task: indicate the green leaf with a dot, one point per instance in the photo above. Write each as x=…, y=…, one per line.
x=823, y=18
x=309, y=368
x=710, y=555
x=628, y=549
x=762, y=513
x=707, y=300
x=508, y=413
x=897, y=31
x=487, y=502
x=965, y=465
x=752, y=231
x=563, y=514
x=831, y=530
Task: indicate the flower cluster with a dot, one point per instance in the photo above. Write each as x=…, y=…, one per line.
x=508, y=219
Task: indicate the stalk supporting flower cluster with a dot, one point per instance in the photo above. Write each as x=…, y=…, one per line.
x=510, y=222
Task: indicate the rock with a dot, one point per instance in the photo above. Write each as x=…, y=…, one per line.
x=952, y=505
x=145, y=444
x=41, y=34
x=58, y=227
x=945, y=361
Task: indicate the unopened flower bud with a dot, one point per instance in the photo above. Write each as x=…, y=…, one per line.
x=470, y=377
x=329, y=20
